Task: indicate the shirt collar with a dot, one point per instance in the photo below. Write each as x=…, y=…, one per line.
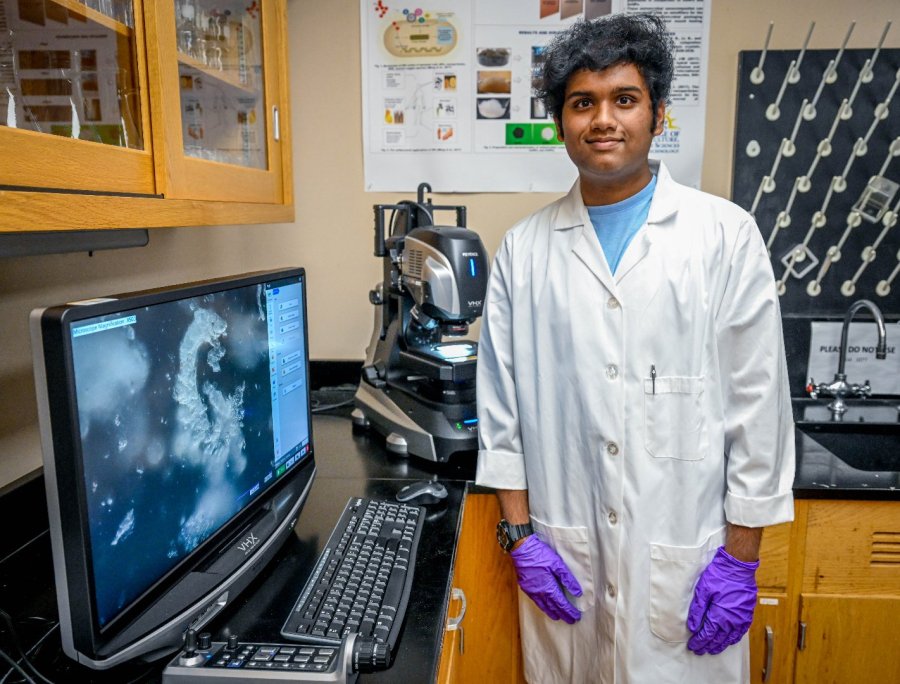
x=572, y=211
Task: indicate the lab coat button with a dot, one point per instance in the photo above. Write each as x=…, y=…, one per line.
x=613, y=518
x=611, y=590
x=612, y=448
x=612, y=303
x=612, y=371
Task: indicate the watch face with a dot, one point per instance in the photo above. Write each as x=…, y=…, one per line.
x=503, y=536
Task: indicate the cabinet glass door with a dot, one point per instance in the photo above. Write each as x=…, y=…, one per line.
x=216, y=102
x=70, y=73
x=220, y=70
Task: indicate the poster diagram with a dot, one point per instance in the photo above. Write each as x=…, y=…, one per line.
x=449, y=92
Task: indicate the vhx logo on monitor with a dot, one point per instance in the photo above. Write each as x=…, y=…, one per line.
x=475, y=302
x=248, y=544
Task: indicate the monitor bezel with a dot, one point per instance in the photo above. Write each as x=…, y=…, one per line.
x=189, y=593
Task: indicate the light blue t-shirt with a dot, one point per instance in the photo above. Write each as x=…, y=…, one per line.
x=616, y=224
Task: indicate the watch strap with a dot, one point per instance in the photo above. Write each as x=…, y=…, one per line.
x=512, y=533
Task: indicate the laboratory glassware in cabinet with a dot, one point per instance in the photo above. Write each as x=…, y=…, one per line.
x=216, y=60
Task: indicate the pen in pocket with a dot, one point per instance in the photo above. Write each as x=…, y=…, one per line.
x=653, y=378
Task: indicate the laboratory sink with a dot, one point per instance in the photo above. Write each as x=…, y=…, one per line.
x=867, y=438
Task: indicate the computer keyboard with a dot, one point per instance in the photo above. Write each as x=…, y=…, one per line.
x=362, y=579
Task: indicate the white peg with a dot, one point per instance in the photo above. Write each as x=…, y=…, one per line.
x=867, y=75
x=773, y=111
x=757, y=75
x=831, y=76
x=847, y=109
x=809, y=110
x=794, y=75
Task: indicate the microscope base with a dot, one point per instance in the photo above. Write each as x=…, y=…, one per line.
x=413, y=427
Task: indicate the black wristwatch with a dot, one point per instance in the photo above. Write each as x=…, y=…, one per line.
x=508, y=534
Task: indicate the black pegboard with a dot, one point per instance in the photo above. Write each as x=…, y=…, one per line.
x=749, y=171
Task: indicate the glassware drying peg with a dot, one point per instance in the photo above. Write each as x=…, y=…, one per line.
x=846, y=111
x=757, y=75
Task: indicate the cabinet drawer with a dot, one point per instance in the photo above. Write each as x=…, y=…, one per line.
x=852, y=547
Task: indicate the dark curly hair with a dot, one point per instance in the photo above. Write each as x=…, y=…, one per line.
x=639, y=39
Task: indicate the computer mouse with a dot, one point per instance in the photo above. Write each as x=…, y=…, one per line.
x=423, y=492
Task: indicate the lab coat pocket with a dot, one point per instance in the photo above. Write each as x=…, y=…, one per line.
x=673, y=418
x=674, y=571
x=571, y=543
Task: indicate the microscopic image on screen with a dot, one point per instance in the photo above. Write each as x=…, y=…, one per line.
x=175, y=413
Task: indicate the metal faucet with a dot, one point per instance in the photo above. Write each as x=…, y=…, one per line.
x=839, y=387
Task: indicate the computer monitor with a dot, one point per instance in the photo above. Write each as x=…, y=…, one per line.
x=176, y=434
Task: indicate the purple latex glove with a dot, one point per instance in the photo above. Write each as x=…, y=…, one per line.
x=722, y=609
x=540, y=572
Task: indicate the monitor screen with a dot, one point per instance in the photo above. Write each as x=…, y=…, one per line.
x=187, y=405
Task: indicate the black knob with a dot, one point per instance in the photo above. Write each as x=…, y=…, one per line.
x=190, y=642
x=369, y=655
x=204, y=641
x=232, y=642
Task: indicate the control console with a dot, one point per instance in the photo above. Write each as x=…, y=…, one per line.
x=203, y=661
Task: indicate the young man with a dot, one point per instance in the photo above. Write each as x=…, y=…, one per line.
x=634, y=412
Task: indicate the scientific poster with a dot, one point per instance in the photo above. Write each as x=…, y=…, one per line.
x=448, y=92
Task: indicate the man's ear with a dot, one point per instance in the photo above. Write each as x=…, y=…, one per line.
x=660, y=119
x=559, y=130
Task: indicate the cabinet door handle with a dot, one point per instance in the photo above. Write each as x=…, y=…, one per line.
x=770, y=650
x=455, y=623
x=801, y=637
x=276, y=124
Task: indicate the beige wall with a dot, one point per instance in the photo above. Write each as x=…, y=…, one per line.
x=332, y=234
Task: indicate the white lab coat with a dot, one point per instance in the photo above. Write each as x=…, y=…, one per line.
x=632, y=483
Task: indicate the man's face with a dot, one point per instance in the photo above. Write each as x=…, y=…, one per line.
x=608, y=125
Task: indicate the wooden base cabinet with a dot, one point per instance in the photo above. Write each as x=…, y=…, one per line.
x=828, y=610
x=849, y=598
x=485, y=647
x=770, y=642
x=848, y=640
x=829, y=602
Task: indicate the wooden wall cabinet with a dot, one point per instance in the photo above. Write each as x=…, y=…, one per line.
x=143, y=114
x=74, y=104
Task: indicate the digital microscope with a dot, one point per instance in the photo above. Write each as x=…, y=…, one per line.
x=417, y=389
